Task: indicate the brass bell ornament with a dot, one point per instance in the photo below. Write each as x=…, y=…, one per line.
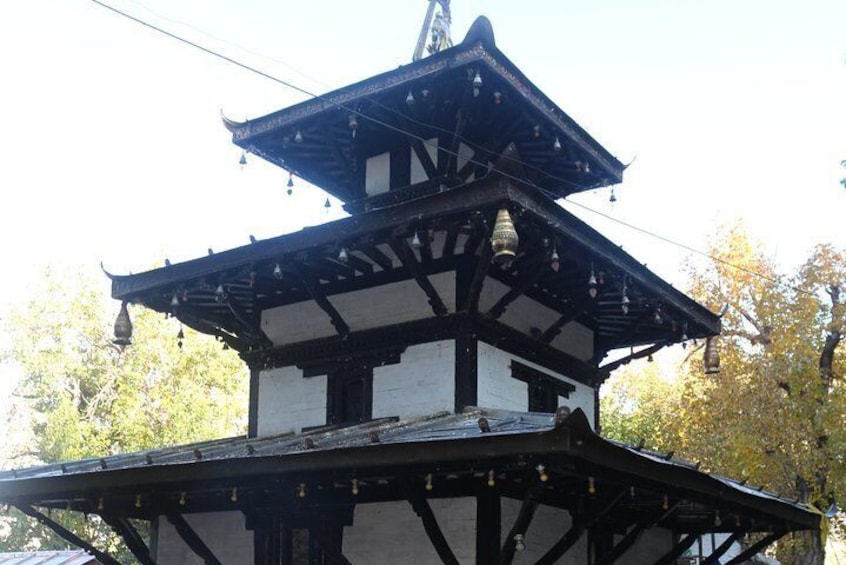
x=123, y=327
x=504, y=239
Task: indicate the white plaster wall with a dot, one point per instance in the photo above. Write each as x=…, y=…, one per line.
x=363, y=309
x=524, y=314
x=418, y=173
x=287, y=402
x=497, y=388
x=390, y=532
x=224, y=533
x=649, y=547
x=377, y=176
x=547, y=527
x=421, y=384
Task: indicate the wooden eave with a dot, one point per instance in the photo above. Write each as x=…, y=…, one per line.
x=312, y=270
x=266, y=471
x=329, y=157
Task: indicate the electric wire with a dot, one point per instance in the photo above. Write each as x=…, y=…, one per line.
x=412, y=135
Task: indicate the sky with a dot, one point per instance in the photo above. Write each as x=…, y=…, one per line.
x=114, y=149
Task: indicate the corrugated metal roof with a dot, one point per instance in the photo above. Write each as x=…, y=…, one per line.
x=78, y=557
x=456, y=437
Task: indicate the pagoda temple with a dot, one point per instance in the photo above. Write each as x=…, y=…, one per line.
x=424, y=373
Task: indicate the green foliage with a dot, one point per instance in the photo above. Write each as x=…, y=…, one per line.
x=775, y=413
x=79, y=395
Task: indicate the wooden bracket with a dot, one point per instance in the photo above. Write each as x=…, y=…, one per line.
x=403, y=251
x=67, y=535
x=190, y=537
x=725, y=546
x=313, y=288
x=124, y=528
x=756, y=548
x=433, y=530
x=521, y=524
x=526, y=281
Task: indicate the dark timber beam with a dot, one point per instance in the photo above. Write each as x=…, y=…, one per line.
x=406, y=255
x=570, y=315
x=631, y=538
x=757, y=547
x=246, y=319
x=332, y=143
x=420, y=149
x=190, y=537
x=450, y=240
x=608, y=368
x=488, y=526
x=433, y=530
x=330, y=551
x=526, y=281
x=725, y=546
x=67, y=535
x=313, y=288
x=670, y=557
x=124, y=528
x=474, y=291
x=563, y=545
x=521, y=524
x=374, y=254
x=198, y=323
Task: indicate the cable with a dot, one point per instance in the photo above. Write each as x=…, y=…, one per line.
x=399, y=130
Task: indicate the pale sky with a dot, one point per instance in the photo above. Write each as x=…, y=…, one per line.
x=113, y=148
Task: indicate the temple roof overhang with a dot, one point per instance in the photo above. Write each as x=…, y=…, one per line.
x=433, y=103
x=558, y=456
x=224, y=294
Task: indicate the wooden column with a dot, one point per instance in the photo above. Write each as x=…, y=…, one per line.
x=488, y=526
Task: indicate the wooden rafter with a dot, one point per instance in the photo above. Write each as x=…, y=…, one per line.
x=756, y=548
x=628, y=541
x=374, y=254
x=190, y=537
x=433, y=530
x=402, y=250
x=521, y=524
x=474, y=291
x=195, y=322
x=344, y=162
x=723, y=547
x=314, y=290
x=246, y=319
x=526, y=281
x=609, y=367
x=450, y=240
x=124, y=528
x=678, y=549
x=574, y=311
x=563, y=545
x=67, y=535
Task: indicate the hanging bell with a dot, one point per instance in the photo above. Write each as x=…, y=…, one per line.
x=613, y=197
x=557, y=145
x=243, y=160
x=504, y=239
x=415, y=241
x=277, y=272
x=711, y=357
x=123, y=327
x=343, y=255
x=409, y=99
x=298, y=137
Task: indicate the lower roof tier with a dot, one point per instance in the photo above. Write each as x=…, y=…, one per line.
x=558, y=457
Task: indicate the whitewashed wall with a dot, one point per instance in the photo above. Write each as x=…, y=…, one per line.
x=547, y=527
x=421, y=384
x=287, y=402
x=390, y=532
x=498, y=389
x=649, y=548
x=524, y=314
x=362, y=310
x=224, y=533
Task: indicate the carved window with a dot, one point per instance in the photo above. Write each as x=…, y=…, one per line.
x=350, y=396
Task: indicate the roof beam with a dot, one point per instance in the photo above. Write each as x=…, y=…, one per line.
x=402, y=250
x=632, y=537
x=725, y=546
x=670, y=557
x=313, y=288
x=433, y=530
x=67, y=535
x=563, y=545
x=335, y=149
x=190, y=537
x=131, y=538
x=521, y=524
x=375, y=254
x=246, y=319
x=526, y=281
x=575, y=310
x=757, y=547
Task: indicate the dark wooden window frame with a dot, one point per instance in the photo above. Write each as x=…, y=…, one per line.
x=544, y=389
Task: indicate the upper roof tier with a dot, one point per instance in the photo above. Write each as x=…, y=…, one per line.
x=430, y=125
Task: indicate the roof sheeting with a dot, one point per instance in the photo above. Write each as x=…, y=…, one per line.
x=78, y=557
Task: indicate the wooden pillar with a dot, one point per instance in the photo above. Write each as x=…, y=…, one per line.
x=488, y=526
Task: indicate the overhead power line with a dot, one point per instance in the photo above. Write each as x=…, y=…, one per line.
x=412, y=135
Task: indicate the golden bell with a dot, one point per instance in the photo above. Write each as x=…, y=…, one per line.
x=123, y=327
x=504, y=238
x=711, y=357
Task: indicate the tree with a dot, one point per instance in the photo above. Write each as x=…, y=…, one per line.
x=775, y=413
x=79, y=395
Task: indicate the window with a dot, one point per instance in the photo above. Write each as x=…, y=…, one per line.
x=350, y=395
x=544, y=389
